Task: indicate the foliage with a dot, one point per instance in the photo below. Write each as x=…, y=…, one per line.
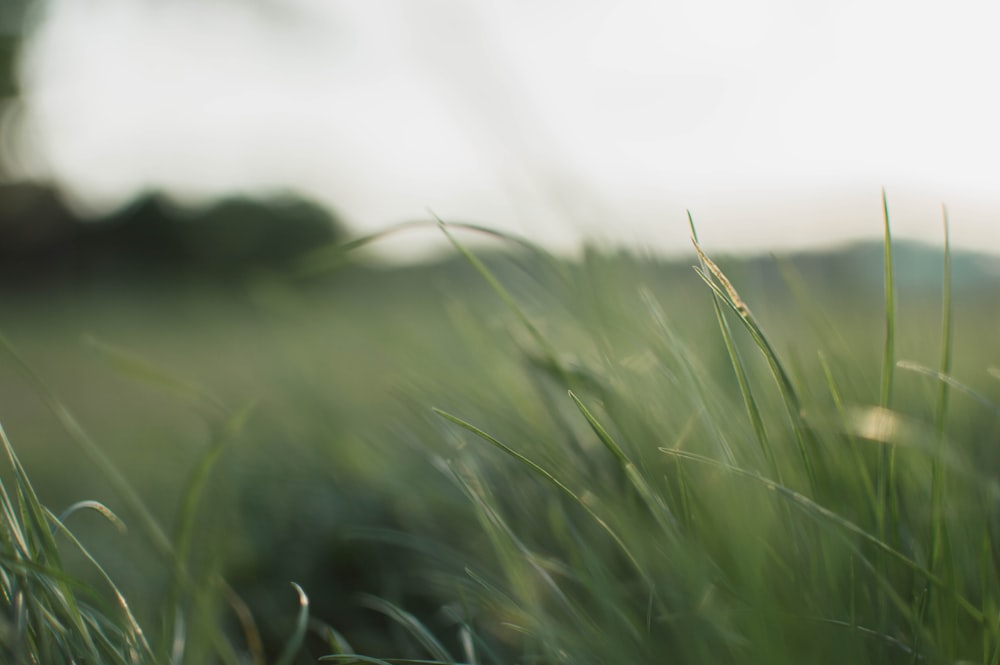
x=516, y=458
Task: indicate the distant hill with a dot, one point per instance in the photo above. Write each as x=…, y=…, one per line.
x=43, y=243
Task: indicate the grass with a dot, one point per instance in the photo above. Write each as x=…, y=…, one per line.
x=519, y=459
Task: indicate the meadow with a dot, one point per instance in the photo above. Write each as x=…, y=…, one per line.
x=506, y=457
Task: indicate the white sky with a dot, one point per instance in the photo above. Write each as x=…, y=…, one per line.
x=775, y=121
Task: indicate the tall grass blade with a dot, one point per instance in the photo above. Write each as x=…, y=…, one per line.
x=889, y=353
x=838, y=402
x=739, y=367
x=191, y=503
x=888, y=501
x=661, y=512
x=543, y=343
x=947, y=321
x=826, y=515
x=716, y=280
x=547, y=476
x=939, y=526
x=693, y=373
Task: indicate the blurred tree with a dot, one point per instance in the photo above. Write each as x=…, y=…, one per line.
x=14, y=20
x=240, y=232
x=41, y=235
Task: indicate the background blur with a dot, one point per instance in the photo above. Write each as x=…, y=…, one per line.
x=178, y=177
x=775, y=122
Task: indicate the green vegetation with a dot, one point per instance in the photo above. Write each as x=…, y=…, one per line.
x=508, y=458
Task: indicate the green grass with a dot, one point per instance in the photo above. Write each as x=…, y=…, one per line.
x=512, y=459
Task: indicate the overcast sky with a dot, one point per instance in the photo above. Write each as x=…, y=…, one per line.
x=776, y=122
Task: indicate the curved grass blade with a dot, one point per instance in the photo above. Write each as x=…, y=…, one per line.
x=135, y=630
x=952, y=383
x=331, y=257
x=97, y=507
x=413, y=625
x=543, y=344
x=294, y=643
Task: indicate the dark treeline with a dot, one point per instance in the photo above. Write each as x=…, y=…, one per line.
x=42, y=241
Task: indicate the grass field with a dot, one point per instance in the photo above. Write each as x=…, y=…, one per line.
x=510, y=458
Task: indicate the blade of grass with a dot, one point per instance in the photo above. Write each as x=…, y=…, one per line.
x=333, y=638
x=34, y=514
x=413, y=625
x=888, y=507
x=331, y=257
x=739, y=368
x=939, y=526
x=887, y=458
x=814, y=509
x=838, y=402
x=723, y=288
x=189, y=508
x=135, y=630
x=952, y=382
x=294, y=643
x=947, y=317
x=543, y=343
x=97, y=507
x=889, y=353
x=548, y=477
x=534, y=584
x=693, y=373
x=121, y=486
x=660, y=511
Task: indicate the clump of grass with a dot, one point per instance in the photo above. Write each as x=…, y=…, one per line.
x=48, y=615
x=784, y=527
x=51, y=615
x=622, y=491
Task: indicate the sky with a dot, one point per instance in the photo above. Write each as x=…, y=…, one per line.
x=777, y=123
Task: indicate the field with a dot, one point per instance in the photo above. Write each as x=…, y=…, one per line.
x=504, y=457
